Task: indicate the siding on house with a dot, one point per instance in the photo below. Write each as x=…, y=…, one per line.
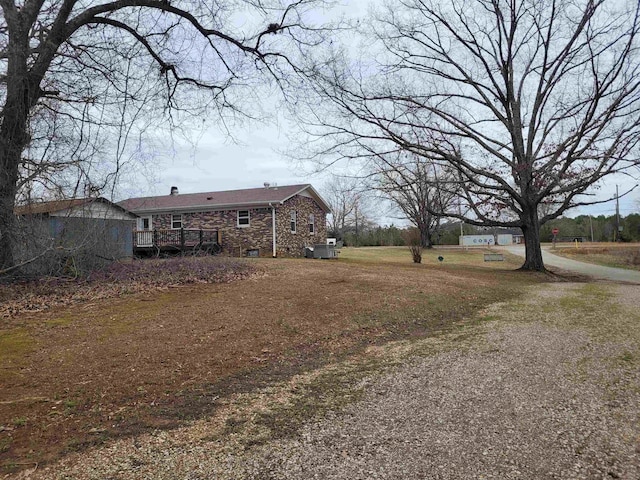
x=95, y=210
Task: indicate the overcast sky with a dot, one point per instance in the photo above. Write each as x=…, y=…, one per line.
x=254, y=156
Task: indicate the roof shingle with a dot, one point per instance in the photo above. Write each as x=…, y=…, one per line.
x=213, y=200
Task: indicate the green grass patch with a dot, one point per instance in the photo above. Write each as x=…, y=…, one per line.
x=14, y=345
x=59, y=321
x=586, y=298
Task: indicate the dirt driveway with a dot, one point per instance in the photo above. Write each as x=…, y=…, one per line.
x=544, y=386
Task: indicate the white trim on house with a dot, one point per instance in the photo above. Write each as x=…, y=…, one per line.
x=293, y=221
x=174, y=221
x=314, y=194
x=273, y=229
x=144, y=234
x=246, y=217
x=312, y=224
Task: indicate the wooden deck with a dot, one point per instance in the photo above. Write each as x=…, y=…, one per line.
x=182, y=239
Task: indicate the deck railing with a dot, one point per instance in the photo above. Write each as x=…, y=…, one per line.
x=181, y=238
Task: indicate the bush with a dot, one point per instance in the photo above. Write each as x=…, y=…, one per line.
x=118, y=279
x=412, y=239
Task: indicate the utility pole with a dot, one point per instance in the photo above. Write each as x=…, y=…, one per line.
x=356, y=211
x=461, y=221
x=616, y=235
x=591, y=224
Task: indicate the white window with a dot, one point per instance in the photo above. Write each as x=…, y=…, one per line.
x=293, y=221
x=243, y=218
x=176, y=221
x=145, y=223
x=312, y=224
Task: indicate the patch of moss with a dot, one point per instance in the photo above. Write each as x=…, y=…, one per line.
x=60, y=321
x=14, y=344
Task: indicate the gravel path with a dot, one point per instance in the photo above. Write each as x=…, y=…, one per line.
x=529, y=393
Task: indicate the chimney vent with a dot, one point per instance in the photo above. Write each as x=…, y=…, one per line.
x=267, y=184
x=174, y=191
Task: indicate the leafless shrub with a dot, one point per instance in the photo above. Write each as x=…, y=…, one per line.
x=412, y=239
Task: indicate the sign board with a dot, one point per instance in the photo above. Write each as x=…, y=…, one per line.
x=505, y=239
x=476, y=240
x=555, y=231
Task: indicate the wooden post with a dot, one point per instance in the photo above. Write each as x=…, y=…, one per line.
x=182, y=239
x=155, y=237
x=200, y=236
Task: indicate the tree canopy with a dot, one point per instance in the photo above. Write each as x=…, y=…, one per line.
x=531, y=102
x=81, y=81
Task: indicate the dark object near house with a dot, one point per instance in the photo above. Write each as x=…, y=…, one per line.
x=167, y=241
x=73, y=236
x=324, y=251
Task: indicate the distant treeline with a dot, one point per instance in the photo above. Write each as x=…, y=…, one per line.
x=603, y=228
x=569, y=228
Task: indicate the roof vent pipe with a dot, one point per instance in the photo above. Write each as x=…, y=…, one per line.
x=267, y=184
x=174, y=191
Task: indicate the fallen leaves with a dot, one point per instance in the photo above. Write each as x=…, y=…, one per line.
x=119, y=279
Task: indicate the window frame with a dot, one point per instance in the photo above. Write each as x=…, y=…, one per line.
x=312, y=224
x=173, y=221
x=246, y=217
x=293, y=221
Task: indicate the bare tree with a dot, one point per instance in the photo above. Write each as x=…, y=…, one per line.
x=343, y=196
x=420, y=188
x=80, y=81
x=530, y=101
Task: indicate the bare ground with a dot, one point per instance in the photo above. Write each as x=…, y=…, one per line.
x=543, y=386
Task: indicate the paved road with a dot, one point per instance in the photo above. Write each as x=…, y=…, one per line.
x=597, y=271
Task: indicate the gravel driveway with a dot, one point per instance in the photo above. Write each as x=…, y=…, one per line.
x=547, y=388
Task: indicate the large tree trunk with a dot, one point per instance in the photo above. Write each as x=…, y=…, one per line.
x=8, y=178
x=425, y=232
x=425, y=237
x=12, y=140
x=533, y=251
x=22, y=93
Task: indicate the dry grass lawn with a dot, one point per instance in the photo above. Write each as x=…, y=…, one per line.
x=77, y=376
x=620, y=255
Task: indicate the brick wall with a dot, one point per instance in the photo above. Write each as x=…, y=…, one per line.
x=236, y=241
x=292, y=244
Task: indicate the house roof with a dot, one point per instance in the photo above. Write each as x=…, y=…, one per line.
x=53, y=206
x=219, y=200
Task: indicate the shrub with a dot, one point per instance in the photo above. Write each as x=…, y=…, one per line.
x=412, y=239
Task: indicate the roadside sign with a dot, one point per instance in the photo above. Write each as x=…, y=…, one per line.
x=555, y=231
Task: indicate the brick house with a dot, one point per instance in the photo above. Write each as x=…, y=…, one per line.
x=269, y=221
